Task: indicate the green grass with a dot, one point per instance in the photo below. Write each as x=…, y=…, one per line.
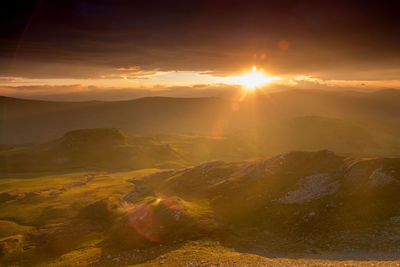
x=62, y=192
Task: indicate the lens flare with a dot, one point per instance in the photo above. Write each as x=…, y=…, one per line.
x=147, y=221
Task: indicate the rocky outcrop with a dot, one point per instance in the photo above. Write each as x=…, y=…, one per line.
x=312, y=188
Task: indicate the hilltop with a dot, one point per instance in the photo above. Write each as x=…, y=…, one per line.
x=93, y=149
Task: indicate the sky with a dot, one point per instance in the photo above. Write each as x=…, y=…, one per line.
x=123, y=49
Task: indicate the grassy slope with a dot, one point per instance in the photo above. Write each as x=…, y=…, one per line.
x=59, y=196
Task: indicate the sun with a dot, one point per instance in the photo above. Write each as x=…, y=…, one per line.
x=254, y=79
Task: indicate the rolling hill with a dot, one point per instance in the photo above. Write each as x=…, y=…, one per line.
x=32, y=121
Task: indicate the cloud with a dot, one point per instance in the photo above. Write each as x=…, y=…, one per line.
x=93, y=39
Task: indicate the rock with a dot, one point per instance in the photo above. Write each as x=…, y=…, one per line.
x=310, y=188
x=380, y=178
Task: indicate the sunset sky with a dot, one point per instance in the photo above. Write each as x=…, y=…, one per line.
x=81, y=50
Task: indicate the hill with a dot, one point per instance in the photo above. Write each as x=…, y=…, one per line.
x=91, y=149
x=310, y=133
x=32, y=121
x=115, y=149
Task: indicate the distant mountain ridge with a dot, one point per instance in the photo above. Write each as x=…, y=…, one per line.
x=34, y=121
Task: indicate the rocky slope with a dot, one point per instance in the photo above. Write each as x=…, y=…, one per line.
x=304, y=198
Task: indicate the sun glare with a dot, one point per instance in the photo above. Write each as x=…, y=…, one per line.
x=254, y=79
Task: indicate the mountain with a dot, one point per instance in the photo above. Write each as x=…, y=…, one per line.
x=33, y=121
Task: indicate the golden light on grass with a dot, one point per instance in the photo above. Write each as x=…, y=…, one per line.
x=254, y=79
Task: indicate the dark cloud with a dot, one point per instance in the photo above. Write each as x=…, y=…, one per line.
x=329, y=39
